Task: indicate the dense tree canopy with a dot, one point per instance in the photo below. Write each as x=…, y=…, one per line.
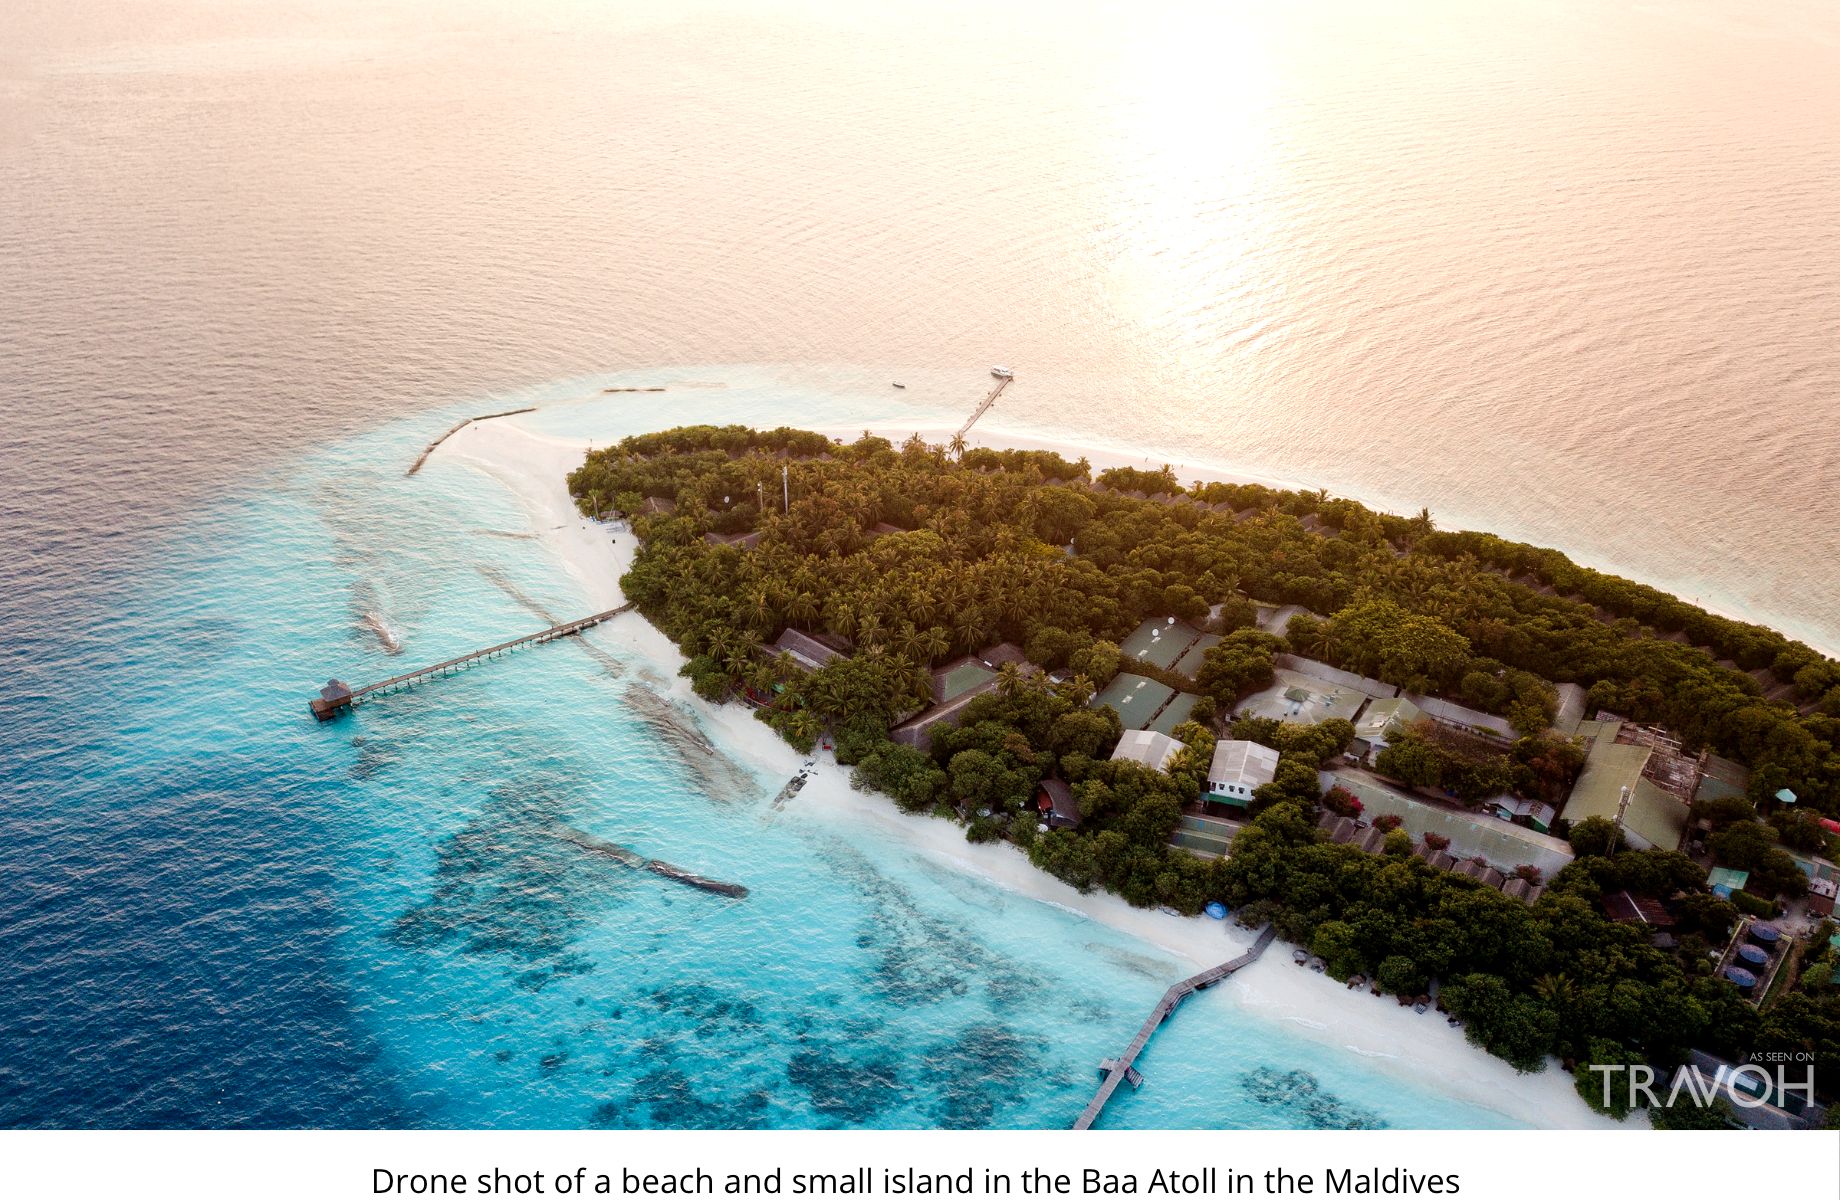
x=985, y=556
x=910, y=558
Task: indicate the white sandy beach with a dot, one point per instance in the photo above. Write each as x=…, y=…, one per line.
x=1422, y=1049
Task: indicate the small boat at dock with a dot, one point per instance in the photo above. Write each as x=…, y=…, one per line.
x=901, y=385
x=1002, y=373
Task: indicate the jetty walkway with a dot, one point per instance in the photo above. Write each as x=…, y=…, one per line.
x=335, y=697
x=984, y=407
x=1119, y=1070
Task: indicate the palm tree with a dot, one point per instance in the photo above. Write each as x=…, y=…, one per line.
x=935, y=644
x=840, y=615
x=906, y=641
x=1555, y=988
x=1009, y=680
x=737, y=660
x=802, y=609
x=957, y=446
x=803, y=726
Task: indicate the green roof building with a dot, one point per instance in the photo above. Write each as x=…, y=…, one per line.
x=1651, y=819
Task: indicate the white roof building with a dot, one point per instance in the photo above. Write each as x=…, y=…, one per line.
x=1238, y=768
x=1146, y=748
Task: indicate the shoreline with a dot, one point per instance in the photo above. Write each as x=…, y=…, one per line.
x=1418, y=1048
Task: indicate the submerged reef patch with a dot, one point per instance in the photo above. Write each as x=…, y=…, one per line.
x=504, y=884
x=1298, y=1095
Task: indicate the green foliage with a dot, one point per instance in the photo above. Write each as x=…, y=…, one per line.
x=1398, y=975
x=1752, y=905
x=1611, y=1100
x=1597, y=836
x=1314, y=744
x=1750, y=846
x=984, y=558
x=1240, y=664
x=1385, y=640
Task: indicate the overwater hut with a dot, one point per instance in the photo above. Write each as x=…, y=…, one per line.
x=333, y=699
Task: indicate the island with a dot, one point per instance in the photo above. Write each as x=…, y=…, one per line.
x=1579, y=816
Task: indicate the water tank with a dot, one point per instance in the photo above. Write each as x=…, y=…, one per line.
x=1765, y=935
x=1744, y=979
x=1753, y=957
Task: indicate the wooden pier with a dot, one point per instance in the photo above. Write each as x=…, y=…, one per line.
x=1123, y=1068
x=983, y=408
x=335, y=697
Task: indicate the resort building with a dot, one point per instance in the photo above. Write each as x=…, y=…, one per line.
x=1821, y=896
x=1383, y=720
x=1571, y=708
x=1239, y=768
x=1277, y=621
x=1135, y=699
x=1303, y=700
x=1369, y=839
x=1613, y=786
x=1519, y=810
x=955, y=685
x=1469, y=834
x=1726, y=880
x=1458, y=716
x=1195, y=656
x=1161, y=641
x=807, y=651
x=1336, y=676
x=1146, y=748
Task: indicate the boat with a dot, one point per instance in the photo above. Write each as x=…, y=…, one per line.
x=900, y=385
x=1002, y=373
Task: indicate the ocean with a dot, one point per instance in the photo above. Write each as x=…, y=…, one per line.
x=1561, y=270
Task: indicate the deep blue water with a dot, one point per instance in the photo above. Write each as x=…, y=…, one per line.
x=215, y=912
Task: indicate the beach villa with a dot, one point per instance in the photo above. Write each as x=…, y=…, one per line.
x=1239, y=768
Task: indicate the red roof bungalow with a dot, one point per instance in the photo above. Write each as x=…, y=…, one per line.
x=1054, y=800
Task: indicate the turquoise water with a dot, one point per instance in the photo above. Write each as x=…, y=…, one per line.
x=381, y=921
